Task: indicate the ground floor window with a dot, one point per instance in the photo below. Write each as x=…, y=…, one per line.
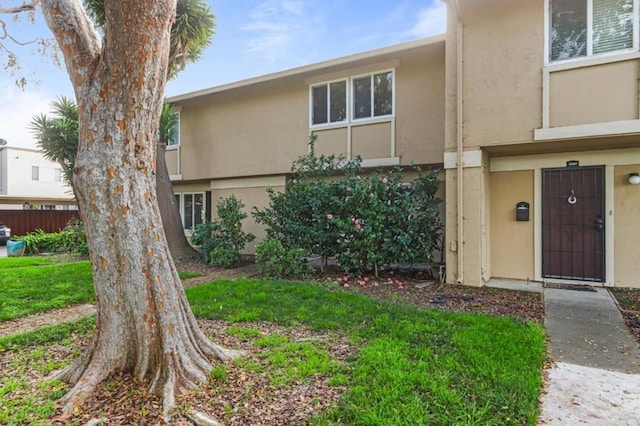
x=192, y=209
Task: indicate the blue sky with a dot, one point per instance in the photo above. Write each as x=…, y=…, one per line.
x=253, y=37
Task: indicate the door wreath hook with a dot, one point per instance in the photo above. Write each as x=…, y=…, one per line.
x=572, y=198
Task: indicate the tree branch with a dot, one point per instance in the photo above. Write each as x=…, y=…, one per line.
x=76, y=36
x=26, y=7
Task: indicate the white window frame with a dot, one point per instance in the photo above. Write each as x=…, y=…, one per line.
x=350, y=101
x=327, y=84
x=372, y=117
x=590, y=54
x=182, y=203
x=35, y=173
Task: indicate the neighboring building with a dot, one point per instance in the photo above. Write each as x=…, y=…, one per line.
x=542, y=108
x=532, y=107
x=28, y=180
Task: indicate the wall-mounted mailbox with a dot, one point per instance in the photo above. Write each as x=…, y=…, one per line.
x=522, y=211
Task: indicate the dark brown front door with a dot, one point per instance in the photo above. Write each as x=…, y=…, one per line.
x=573, y=223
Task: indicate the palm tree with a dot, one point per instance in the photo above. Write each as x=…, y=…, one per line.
x=190, y=34
x=57, y=137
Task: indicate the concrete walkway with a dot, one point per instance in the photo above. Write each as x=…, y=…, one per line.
x=596, y=379
x=586, y=328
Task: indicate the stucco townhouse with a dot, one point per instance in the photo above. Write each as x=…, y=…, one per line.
x=531, y=108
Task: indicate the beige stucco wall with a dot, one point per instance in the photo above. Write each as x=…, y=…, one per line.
x=475, y=246
x=602, y=93
x=512, y=242
x=371, y=141
x=244, y=133
x=503, y=58
x=420, y=104
x=251, y=197
x=627, y=227
x=172, y=156
x=260, y=129
x=331, y=141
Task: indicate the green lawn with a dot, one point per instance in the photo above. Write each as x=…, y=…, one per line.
x=29, y=285
x=416, y=366
x=36, y=284
x=413, y=366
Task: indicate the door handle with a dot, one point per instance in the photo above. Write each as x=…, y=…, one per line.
x=599, y=224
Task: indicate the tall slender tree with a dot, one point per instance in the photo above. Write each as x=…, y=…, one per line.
x=57, y=137
x=145, y=325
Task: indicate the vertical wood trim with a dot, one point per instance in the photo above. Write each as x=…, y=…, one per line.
x=537, y=224
x=546, y=98
x=393, y=137
x=609, y=214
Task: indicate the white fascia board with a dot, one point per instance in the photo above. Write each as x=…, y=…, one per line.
x=582, y=131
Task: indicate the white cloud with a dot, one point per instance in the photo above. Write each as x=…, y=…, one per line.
x=275, y=25
x=431, y=20
x=16, y=111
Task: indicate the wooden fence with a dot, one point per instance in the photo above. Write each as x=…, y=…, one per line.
x=24, y=221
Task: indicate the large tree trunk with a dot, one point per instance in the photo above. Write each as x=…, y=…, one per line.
x=145, y=325
x=171, y=221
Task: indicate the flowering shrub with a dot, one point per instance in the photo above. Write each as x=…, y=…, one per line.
x=364, y=222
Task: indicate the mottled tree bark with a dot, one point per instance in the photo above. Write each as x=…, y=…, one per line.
x=170, y=213
x=145, y=325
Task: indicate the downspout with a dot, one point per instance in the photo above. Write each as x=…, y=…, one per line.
x=459, y=142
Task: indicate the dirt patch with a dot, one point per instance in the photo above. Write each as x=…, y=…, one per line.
x=232, y=396
x=44, y=319
x=420, y=291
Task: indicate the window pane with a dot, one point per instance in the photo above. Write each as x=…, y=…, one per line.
x=338, y=92
x=198, y=208
x=319, y=94
x=174, y=137
x=35, y=173
x=568, y=36
x=362, y=97
x=383, y=94
x=188, y=211
x=612, y=25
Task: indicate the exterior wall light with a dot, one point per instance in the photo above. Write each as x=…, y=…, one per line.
x=634, y=179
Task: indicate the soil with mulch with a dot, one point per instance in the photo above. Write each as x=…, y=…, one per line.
x=235, y=397
x=420, y=289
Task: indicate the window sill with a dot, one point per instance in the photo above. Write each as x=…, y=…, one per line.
x=353, y=123
x=381, y=162
x=614, y=128
x=590, y=61
x=175, y=177
x=172, y=147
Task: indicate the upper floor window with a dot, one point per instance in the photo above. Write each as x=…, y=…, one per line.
x=369, y=95
x=35, y=173
x=329, y=102
x=373, y=95
x=582, y=28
